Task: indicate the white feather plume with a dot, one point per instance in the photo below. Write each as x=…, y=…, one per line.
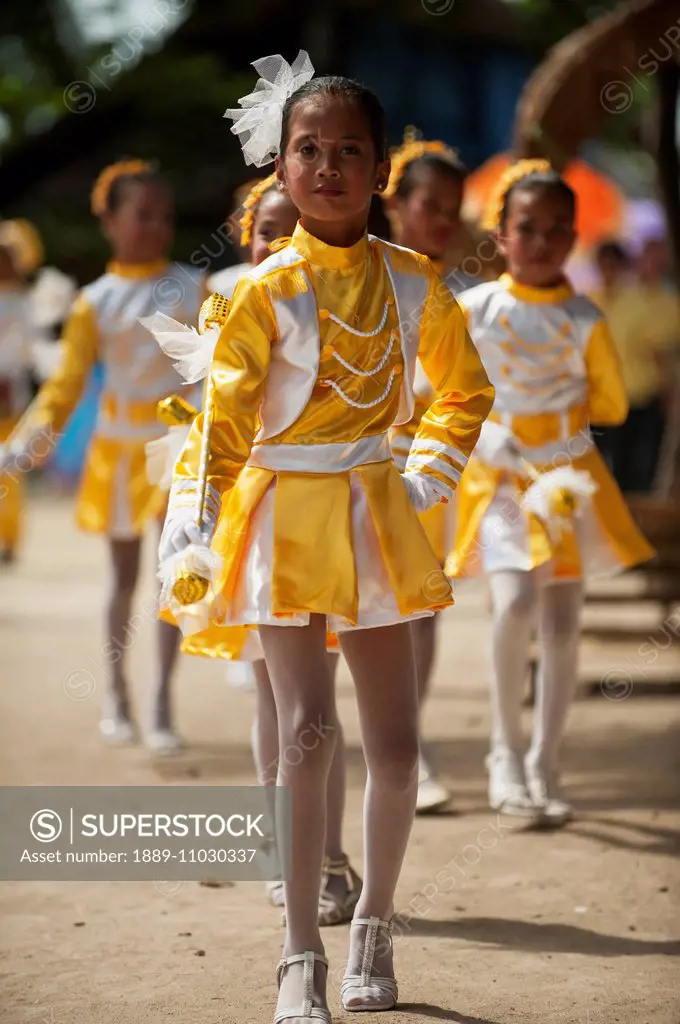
x=538, y=497
x=163, y=453
x=192, y=352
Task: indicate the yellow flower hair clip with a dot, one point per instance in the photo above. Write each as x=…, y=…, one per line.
x=24, y=244
x=250, y=205
x=511, y=176
x=102, y=186
x=413, y=148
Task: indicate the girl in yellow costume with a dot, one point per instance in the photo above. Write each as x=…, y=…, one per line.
x=20, y=255
x=269, y=215
x=308, y=515
x=424, y=196
x=549, y=354
x=115, y=498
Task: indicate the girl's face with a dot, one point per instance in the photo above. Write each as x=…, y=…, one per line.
x=537, y=236
x=429, y=215
x=140, y=229
x=275, y=217
x=330, y=168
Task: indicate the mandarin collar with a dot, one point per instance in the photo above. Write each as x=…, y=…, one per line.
x=526, y=293
x=137, y=270
x=332, y=257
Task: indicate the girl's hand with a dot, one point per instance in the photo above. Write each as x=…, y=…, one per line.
x=424, y=491
x=497, y=447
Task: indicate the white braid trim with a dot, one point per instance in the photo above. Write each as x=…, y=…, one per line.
x=366, y=373
x=355, y=330
x=363, y=405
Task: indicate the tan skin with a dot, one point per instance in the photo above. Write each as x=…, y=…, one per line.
x=537, y=236
x=140, y=229
x=331, y=169
x=8, y=271
x=429, y=216
x=276, y=217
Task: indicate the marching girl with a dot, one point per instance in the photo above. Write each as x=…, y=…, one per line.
x=424, y=197
x=549, y=354
x=20, y=255
x=269, y=215
x=134, y=207
x=309, y=518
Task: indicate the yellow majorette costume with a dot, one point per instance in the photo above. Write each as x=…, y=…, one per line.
x=551, y=359
x=23, y=246
x=314, y=365
x=438, y=522
x=115, y=496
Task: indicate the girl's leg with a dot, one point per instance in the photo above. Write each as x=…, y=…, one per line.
x=305, y=705
x=432, y=796
x=162, y=736
x=264, y=737
x=116, y=721
x=513, y=596
x=382, y=662
x=559, y=626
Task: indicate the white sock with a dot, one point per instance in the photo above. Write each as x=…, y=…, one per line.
x=558, y=632
x=514, y=596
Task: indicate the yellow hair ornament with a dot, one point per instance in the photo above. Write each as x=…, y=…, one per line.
x=412, y=148
x=102, y=186
x=24, y=243
x=250, y=205
x=516, y=172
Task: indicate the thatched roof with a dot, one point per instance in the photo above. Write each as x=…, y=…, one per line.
x=592, y=74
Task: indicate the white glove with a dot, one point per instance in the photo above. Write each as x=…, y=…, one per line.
x=497, y=447
x=424, y=491
x=180, y=528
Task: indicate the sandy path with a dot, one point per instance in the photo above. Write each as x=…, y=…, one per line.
x=579, y=927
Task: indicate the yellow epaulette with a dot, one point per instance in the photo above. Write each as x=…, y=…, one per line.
x=214, y=311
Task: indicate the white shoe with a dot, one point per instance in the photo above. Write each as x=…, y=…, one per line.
x=547, y=797
x=508, y=792
x=163, y=741
x=118, y=731
x=432, y=796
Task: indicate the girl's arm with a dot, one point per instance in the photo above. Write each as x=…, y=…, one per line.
x=38, y=430
x=607, y=399
x=449, y=429
x=235, y=385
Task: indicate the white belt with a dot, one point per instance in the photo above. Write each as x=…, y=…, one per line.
x=558, y=452
x=321, y=458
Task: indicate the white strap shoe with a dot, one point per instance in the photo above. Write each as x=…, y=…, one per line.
x=547, y=797
x=508, y=791
x=363, y=992
x=306, y=1011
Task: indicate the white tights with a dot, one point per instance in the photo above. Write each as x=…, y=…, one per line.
x=519, y=603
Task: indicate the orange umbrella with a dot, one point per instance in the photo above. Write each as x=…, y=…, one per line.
x=600, y=203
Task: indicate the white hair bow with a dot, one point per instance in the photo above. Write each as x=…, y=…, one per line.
x=258, y=121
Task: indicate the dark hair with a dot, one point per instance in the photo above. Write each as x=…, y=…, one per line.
x=612, y=249
x=546, y=180
x=452, y=167
x=120, y=186
x=343, y=88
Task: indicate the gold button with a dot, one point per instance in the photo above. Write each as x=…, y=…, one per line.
x=324, y=314
x=327, y=351
x=390, y=300
x=398, y=370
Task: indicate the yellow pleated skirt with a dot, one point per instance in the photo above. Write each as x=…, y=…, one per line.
x=345, y=545
x=115, y=497
x=493, y=532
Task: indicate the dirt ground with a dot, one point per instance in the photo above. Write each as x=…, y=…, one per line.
x=575, y=927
